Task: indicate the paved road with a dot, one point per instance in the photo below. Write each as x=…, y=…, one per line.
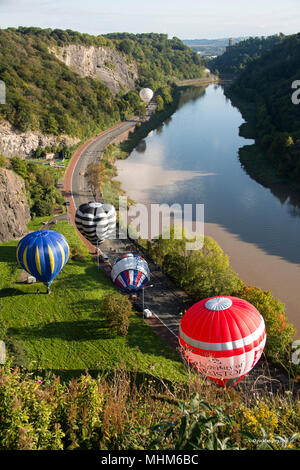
x=79, y=188
x=164, y=299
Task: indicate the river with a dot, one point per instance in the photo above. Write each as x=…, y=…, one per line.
x=193, y=158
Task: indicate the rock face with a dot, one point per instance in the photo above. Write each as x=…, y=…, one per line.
x=14, y=208
x=107, y=64
x=14, y=143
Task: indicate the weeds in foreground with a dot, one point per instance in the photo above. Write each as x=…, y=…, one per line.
x=116, y=413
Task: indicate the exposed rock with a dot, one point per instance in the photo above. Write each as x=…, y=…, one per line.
x=14, y=143
x=105, y=63
x=14, y=209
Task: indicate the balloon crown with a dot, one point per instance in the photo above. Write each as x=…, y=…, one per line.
x=218, y=303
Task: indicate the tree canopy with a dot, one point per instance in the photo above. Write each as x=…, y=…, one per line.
x=267, y=82
x=44, y=94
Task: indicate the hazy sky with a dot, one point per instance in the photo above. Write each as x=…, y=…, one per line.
x=182, y=18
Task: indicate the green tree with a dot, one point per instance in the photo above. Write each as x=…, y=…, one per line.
x=117, y=310
x=201, y=273
x=95, y=176
x=160, y=103
x=19, y=167
x=42, y=207
x=280, y=332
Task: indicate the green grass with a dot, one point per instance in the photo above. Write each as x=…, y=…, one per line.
x=63, y=332
x=36, y=223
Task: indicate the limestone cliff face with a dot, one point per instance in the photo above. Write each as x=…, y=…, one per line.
x=107, y=64
x=14, y=209
x=14, y=143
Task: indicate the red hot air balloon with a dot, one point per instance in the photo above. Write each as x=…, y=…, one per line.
x=223, y=338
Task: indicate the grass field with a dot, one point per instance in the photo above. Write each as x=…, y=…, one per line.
x=65, y=332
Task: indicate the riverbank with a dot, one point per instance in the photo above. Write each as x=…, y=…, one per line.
x=252, y=157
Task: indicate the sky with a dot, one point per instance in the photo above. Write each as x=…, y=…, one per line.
x=186, y=19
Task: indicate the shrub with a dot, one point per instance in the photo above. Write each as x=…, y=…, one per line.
x=41, y=413
x=200, y=427
x=43, y=207
x=117, y=310
x=279, y=331
x=77, y=253
x=19, y=166
x=4, y=162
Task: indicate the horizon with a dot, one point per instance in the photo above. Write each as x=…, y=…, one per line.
x=193, y=21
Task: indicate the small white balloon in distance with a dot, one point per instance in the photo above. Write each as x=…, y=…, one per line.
x=146, y=95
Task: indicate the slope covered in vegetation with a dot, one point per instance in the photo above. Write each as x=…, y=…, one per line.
x=41, y=413
x=267, y=84
x=44, y=94
x=235, y=59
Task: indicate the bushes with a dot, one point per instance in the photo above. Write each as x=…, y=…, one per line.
x=279, y=331
x=201, y=273
x=39, y=413
x=117, y=310
x=77, y=253
x=4, y=162
x=49, y=416
x=207, y=426
x=40, y=184
x=19, y=167
x=200, y=427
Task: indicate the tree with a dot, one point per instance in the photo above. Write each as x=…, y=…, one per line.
x=42, y=207
x=160, y=103
x=201, y=273
x=117, y=310
x=95, y=178
x=279, y=331
x=19, y=167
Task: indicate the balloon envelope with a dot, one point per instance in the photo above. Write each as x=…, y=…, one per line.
x=146, y=94
x=130, y=272
x=43, y=254
x=223, y=338
x=96, y=221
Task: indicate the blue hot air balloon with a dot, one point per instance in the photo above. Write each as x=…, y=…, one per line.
x=43, y=254
x=131, y=273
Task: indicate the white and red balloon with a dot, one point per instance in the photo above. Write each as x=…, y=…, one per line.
x=223, y=338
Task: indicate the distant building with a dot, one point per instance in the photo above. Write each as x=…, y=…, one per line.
x=230, y=44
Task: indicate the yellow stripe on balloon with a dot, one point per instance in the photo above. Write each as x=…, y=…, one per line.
x=25, y=259
x=38, y=261
x=17, y=252
x=51, y=257
x=62, y=255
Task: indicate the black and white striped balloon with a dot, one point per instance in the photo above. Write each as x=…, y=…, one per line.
x=96, y=221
